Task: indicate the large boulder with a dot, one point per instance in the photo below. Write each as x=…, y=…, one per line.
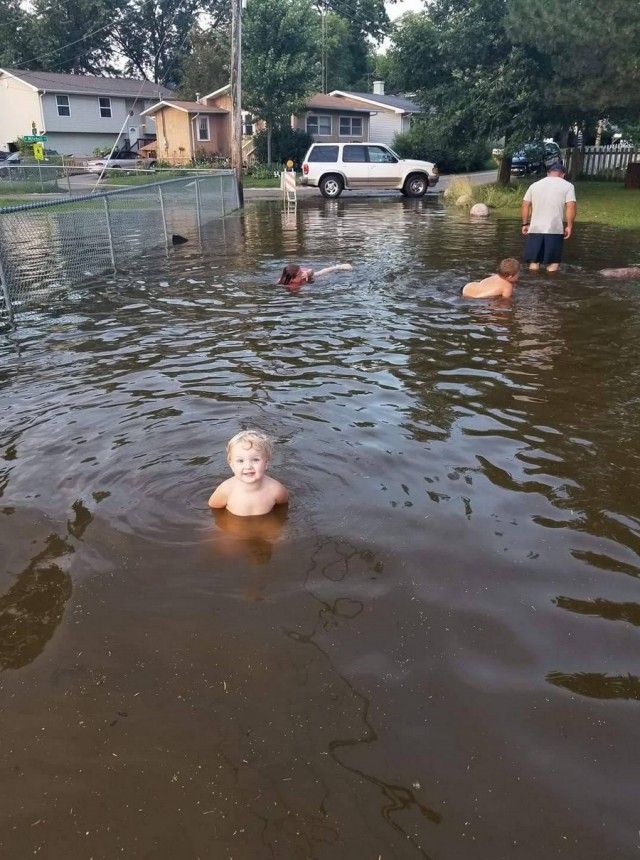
x=464, y=200
x=480, y=210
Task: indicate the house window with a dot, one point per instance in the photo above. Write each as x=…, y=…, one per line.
x=319, y=126
x=63, y=105
x=350, y=126
x=203, y=128
x=105, y=107
x=247, y=123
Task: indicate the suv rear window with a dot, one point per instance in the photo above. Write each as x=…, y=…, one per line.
x=323, y=153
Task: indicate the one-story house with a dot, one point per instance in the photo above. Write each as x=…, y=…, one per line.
x=199, y=129
x=390, y=115
x=78, y=113
x=329, y=119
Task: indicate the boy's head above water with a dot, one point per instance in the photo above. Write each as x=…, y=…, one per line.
x=246, y=440
x=509, y=268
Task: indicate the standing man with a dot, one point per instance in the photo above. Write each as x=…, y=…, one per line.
x=550, y=199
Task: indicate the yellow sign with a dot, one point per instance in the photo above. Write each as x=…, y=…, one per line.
x=38, y=151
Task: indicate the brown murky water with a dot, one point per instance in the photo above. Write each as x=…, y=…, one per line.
x=433, y=653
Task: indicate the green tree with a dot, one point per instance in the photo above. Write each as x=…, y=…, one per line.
x=152, y=35
x=279, y=59
x=458, y=57
x=15, y=34
x=72, y=36
x=592, y=49
x=207, y=67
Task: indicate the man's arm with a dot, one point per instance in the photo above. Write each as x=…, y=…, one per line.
x=570, y=211
x=525, y=214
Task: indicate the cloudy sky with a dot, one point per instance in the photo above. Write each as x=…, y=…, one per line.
x=394, y=10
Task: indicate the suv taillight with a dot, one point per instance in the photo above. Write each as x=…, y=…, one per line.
x=305, y=168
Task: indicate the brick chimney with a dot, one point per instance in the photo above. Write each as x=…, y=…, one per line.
x=378, y=88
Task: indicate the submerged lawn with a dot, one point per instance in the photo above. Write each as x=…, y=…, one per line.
x=598, y=202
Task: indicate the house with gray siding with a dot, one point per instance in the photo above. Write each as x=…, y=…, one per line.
x=334, y=120
x=78, y=113
x=390, y=115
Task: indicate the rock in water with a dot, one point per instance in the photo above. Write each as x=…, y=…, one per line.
x=176, y=239
x=480, y=210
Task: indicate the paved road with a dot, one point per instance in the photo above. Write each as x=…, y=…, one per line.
x=84, y=183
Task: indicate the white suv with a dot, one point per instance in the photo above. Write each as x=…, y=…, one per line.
x=332, y=167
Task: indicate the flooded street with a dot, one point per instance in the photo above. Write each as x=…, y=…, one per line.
x=432, y=654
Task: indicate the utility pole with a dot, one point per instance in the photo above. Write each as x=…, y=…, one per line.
x=236, y=93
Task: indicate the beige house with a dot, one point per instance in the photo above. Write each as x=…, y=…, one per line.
x=188, y=130
x=329, y=119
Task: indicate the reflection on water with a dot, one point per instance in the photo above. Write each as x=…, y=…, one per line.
x=598, y=685
x=420, y=650
x=253, y=537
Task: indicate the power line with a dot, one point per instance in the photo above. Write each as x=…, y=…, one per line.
x=71, y=44
x=364, y=23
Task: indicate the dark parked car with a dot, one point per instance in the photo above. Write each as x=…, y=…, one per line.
x=535, y=158
x=9, y=166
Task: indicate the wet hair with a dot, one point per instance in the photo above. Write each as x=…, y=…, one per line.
x=289, y=273
x=252, y=439
x=508, y=267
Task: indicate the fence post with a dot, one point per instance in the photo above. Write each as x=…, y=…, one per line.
x=198, y=210
x=110, y=237
x=164, y=220
x=5, y=290
x=222, y=193
x=197, y=184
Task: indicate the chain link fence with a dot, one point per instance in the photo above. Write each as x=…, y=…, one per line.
x=48, y=246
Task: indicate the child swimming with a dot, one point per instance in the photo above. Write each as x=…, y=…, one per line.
x=294, y=275
x=250, y=492
x=499, y=285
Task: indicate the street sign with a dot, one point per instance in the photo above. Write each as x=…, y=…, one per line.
x=35, y=138
x=38, y=151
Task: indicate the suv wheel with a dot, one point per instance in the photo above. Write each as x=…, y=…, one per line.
x=416, y=185
x=331, y=186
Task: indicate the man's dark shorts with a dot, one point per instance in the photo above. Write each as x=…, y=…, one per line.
x=543, y=248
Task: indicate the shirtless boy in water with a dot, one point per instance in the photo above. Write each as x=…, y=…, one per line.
x=499, y=285
x=250, y=492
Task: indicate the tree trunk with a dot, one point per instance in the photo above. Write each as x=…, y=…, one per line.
x=269, y=143
x=504, y=171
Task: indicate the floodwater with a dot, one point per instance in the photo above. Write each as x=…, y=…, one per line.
x=432, y=654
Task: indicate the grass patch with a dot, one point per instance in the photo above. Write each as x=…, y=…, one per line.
x=116, y=181
x=27, y=187
x=598, y=202
x=252, y=182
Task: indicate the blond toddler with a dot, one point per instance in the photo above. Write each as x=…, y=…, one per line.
x=250, y=492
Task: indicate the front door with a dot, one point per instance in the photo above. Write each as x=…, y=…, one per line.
x=383, y=166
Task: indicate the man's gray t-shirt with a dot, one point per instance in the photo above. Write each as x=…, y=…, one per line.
x=548, y=197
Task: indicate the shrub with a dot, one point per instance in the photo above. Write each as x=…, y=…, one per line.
x=286, y=142
x=429, y=140
x=264, y=171
x=494, y=196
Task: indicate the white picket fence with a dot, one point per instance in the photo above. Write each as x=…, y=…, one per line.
x=606, y=162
